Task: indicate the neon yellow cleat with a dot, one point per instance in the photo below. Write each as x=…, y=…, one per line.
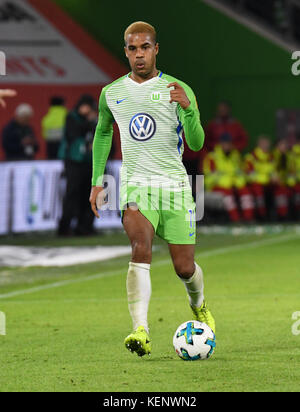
x=139, y=342
x=203, y=314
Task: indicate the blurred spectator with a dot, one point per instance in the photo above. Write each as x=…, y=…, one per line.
x=260, y=168
x=265, y=182
x=18, y=137
x=294, y=177
x=76, y=150
x=225, y=123
x=291, y=129
x=53, y=124
x=224, y=175
x=281, y=158
x=280, y=181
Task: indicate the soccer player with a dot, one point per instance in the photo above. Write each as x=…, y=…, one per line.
x=151, y=109
x=6, y=93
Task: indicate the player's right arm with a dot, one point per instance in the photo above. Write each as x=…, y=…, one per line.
x=101, y=148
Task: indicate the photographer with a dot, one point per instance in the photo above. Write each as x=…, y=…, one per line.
x=76, y=151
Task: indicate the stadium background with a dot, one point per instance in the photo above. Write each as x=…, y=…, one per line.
x=58, y=299
x=218, y=56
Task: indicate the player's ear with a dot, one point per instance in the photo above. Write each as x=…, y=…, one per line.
x=125, y=50
x=156, y=48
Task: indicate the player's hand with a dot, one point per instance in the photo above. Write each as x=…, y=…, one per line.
x=178, y=95
x=6, y=93
x=94, y=200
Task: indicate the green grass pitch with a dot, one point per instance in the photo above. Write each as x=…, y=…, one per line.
x=67, y=333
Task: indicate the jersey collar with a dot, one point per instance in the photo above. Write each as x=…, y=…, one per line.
x=160, y=73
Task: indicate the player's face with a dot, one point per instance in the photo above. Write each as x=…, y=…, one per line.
x=223, y=110
x=24, y=120
x=264, y=144
x=282, y=146
x=141, y=52
x=227, y=146
x=84, y=110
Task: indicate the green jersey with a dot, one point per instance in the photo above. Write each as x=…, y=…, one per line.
x=151, y=132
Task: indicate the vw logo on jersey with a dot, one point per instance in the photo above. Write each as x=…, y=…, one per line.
x=142, y=126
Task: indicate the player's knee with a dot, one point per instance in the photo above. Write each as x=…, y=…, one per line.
x=184, y=268
x=141, y=252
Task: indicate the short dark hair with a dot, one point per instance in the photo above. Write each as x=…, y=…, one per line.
x=88, y=100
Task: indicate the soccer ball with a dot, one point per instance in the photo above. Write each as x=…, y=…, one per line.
x=194, y=340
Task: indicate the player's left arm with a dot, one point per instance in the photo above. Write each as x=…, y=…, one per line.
x=188, y=114
x=101, y=148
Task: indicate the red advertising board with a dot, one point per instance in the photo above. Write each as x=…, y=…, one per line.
x=48, y=54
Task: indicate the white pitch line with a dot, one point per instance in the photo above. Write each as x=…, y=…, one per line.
x=61, y=283
x=250, y=245
x=209, y=253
